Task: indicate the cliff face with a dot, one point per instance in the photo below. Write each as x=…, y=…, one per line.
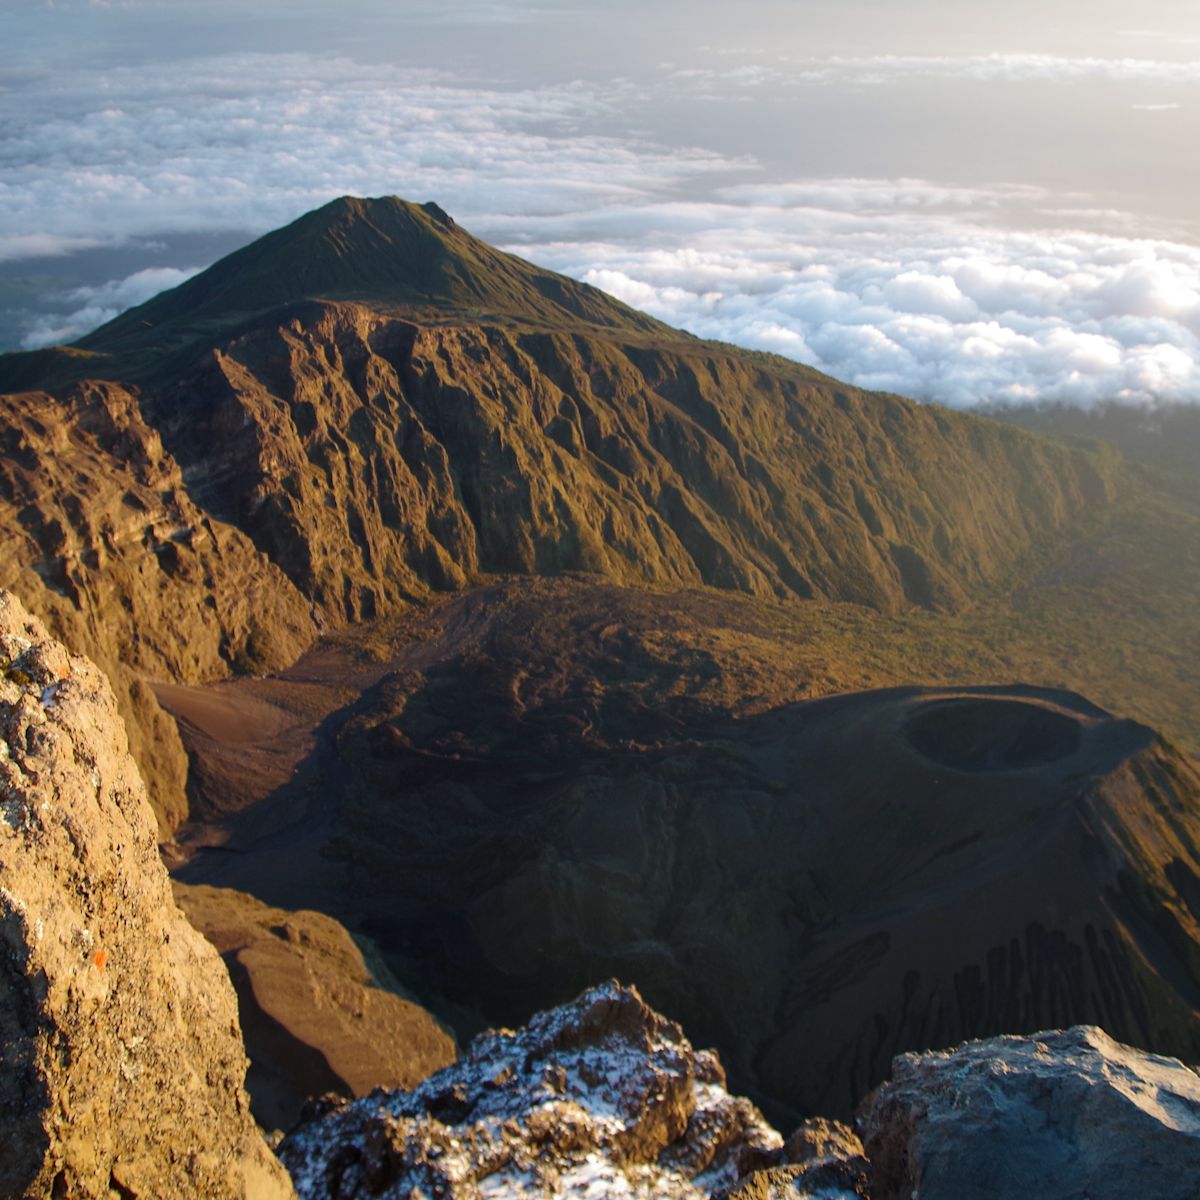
x=103, y=540
x=371, y=457
x=121, y=1064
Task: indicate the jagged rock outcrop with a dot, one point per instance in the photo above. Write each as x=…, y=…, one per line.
x=121, y=1065
x=826, y=1161
x=601, y=1097
x=103, y=542
x=1054, y=1116
x=313, y=1015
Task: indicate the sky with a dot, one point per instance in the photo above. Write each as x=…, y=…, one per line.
x=961, y=201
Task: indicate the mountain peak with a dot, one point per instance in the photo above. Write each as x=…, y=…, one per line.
x=388, y=253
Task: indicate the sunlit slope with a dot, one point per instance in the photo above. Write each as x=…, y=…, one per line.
x=385, y=252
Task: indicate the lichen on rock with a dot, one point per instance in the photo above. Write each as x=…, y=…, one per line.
x=121, y=1063
x=600, y=1097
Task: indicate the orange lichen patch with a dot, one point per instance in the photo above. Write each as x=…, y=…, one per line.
x=100, y=958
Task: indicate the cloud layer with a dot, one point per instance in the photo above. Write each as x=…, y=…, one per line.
x=982, y=68
x=946, y=311
x=90, y=307
x=960, y=294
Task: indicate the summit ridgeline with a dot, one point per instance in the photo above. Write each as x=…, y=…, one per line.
x=385, y=253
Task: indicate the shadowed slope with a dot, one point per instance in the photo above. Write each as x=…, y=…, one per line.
x=868, y=873
x=558, y=779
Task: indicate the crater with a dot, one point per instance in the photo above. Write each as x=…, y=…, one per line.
x=982, y=735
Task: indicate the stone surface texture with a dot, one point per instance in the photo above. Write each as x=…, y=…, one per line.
x=601, y=1097
x=1064, y=1115
x=121, y=1062
x=826, y=1161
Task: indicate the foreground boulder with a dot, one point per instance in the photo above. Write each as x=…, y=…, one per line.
x=601, y=1097
x=1054, y=1116
x=121, y=1063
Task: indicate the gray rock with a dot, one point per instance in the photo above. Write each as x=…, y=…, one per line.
x=121, y=1062
x=601, y=1097
x=1070, y=1115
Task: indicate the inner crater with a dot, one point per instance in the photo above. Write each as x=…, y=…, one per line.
x=981, y=735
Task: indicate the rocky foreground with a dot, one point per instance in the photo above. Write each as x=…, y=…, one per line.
x=122, y=1067
x=604, y=1097
x=121, y=1060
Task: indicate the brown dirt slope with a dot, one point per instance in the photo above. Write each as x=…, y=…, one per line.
x=314, y=1017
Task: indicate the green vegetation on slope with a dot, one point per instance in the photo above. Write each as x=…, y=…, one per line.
x=389, y=253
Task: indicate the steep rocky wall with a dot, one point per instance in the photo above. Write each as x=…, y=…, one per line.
x=370, y=457
x=99, y=535
x=121, y=1063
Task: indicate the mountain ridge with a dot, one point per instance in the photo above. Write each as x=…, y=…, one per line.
x=410, y=257
x=376, y=452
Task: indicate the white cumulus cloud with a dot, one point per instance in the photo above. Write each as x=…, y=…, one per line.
x=954, y=311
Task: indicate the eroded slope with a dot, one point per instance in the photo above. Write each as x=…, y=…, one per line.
x=370, y=457
x=101, y=537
